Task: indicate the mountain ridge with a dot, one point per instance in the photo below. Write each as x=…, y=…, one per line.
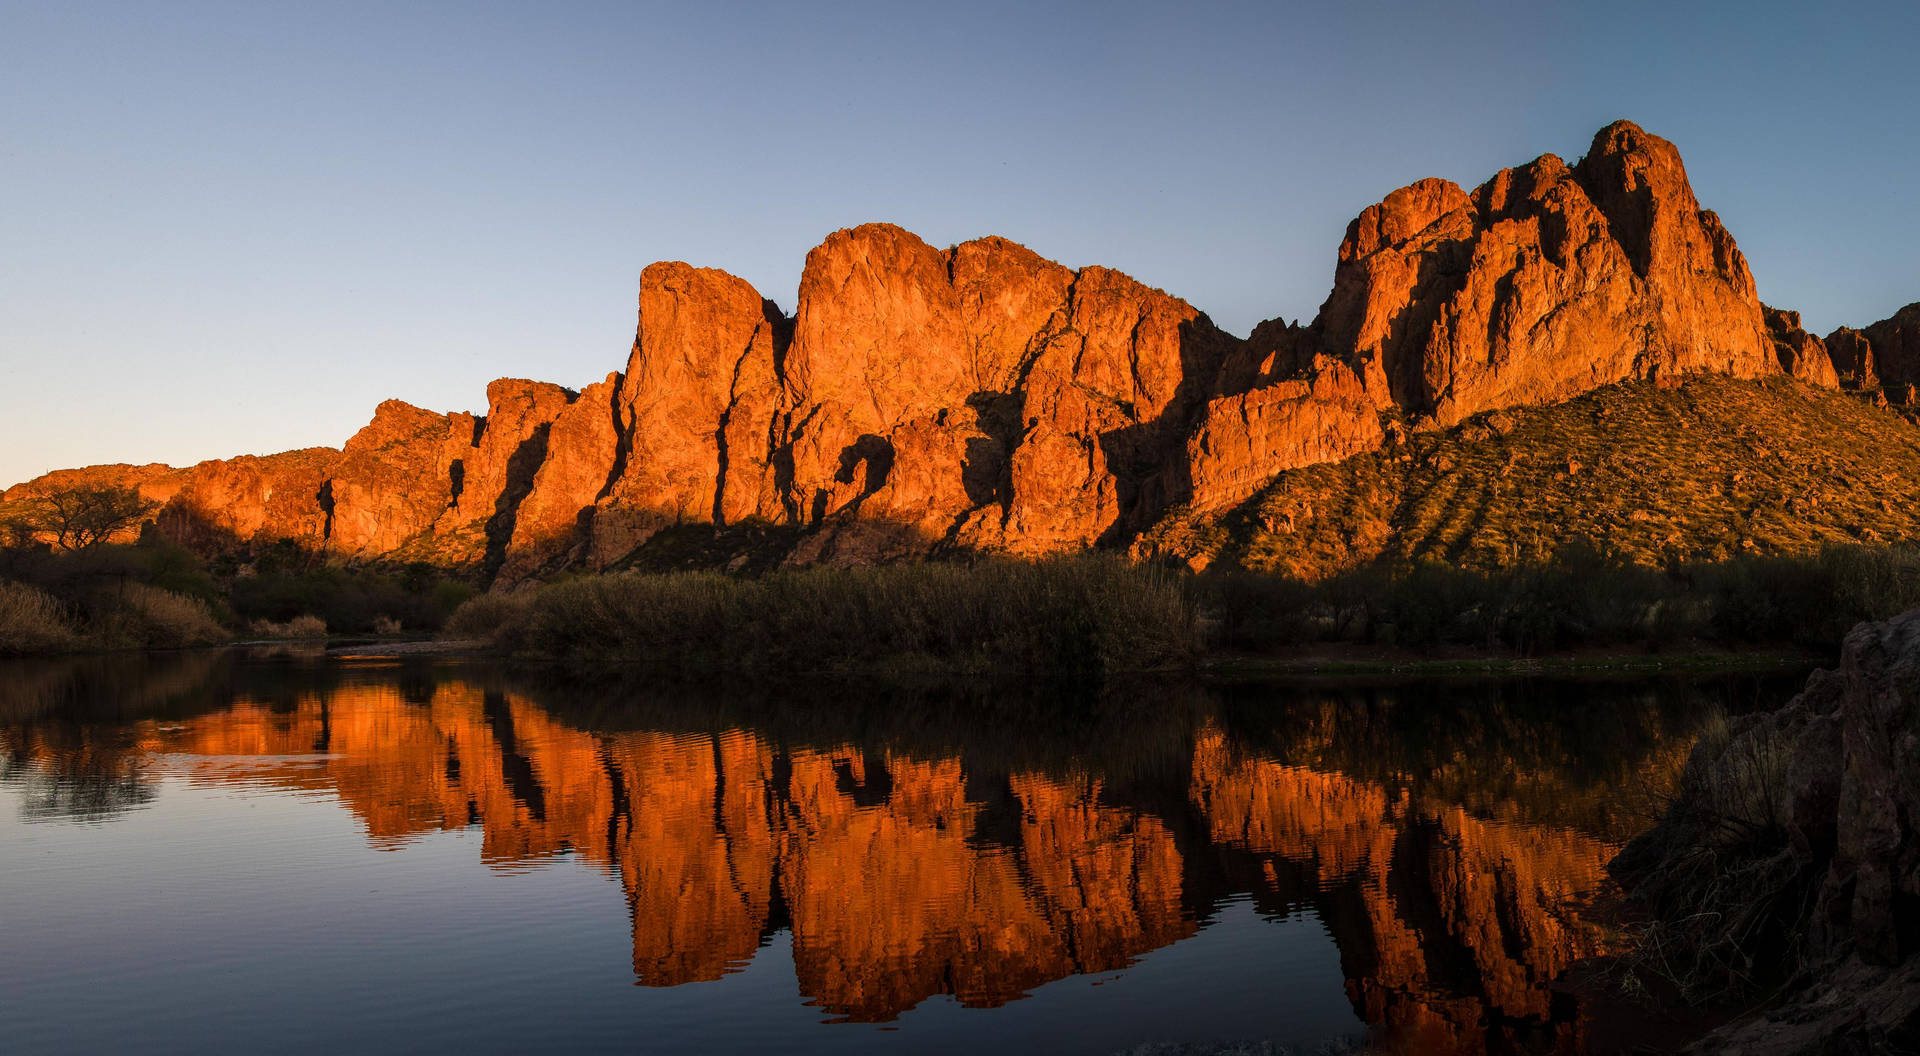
x=983, y=398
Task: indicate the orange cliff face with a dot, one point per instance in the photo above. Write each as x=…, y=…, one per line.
x=903, y=876
x=982, y=397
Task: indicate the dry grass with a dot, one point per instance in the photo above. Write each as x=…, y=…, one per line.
x=33, y=622
x=162, y=619
x=1730, y=897
x=300, y=627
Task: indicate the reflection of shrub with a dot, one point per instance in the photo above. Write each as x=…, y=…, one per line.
x=306, y=626
x=32, y=621
x=1729, y=894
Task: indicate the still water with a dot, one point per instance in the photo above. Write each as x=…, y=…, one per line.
x=297, y=854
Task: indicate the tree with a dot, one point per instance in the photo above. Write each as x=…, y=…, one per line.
x=83, y=517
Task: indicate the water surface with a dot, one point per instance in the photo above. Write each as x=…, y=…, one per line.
x=217, y=850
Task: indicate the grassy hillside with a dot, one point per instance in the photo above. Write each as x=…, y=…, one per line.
x=1707, y=470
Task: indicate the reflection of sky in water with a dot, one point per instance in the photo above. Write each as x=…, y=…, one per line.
x=386, y=868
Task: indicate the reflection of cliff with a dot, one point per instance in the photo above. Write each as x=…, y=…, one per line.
x=1448, y=923
x=694, y=841
x=924, y=892
x=908, y=872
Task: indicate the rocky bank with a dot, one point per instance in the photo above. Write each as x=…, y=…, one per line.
x=1791, y=859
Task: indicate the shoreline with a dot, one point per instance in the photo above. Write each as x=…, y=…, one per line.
x=1228, y=667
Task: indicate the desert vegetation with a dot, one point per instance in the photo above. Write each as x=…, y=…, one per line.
x=1704, y=470
x=1099, y=613
x=1065, y=616
x=81, y=592
x=1581, y=595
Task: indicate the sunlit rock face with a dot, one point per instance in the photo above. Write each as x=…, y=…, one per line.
x=491, y=477
x=983, y=398
x=394, y=479
x=981, y=395
x=582, y=451
x=1885, y=355
x=1545, y=282
x=697, y=412
x=904, y=874
x=1801, y=354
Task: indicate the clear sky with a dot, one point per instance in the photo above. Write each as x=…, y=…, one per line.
x=235, y=227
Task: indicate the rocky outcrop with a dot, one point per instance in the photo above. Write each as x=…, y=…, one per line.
x=394, y=479
x=984, y=396
x=1796, y=839
x=1801, y=354
x=697, y=412
x=583, y=445
x=1244, y=439
x=981, y=397
x=1852, y=356
x=1885, y=355
x=1545, y=282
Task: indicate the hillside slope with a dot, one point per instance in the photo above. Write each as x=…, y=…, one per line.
x=1709, y=468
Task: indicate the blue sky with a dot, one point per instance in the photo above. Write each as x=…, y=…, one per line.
x=236, y=227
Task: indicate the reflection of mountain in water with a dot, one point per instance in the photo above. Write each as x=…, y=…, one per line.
x=920, y=859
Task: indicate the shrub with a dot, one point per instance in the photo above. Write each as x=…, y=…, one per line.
x=305, y=626
x=488, y=616
x=33, y=621
x=1581, y=594
x=1081, y=616
x=165, y=620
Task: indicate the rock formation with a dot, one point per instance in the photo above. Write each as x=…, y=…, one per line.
x=1885, y=356
x=582, y=451
x=1801, y=354
x=1545, y=282
x=1814, y=810
x=982, y=397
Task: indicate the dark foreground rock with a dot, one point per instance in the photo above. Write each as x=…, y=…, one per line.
x=1790, y=862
